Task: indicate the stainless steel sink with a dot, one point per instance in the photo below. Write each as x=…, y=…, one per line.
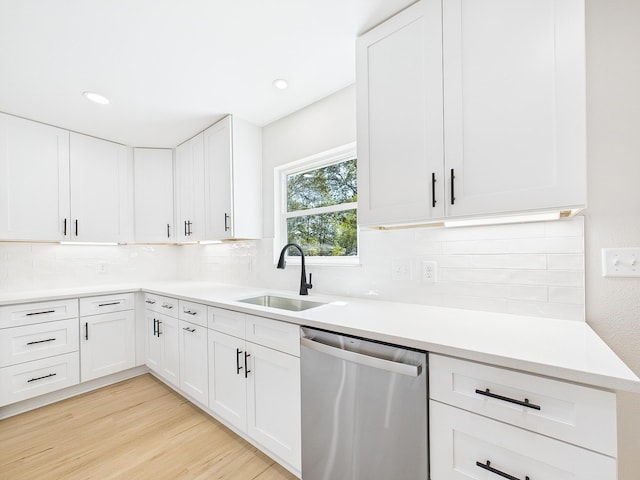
x=284, y=303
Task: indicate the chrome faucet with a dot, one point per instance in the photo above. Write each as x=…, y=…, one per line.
x=304, y=286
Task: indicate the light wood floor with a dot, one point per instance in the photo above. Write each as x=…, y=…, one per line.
x=136, y=429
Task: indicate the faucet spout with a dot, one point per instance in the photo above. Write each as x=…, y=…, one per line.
x=304, y=286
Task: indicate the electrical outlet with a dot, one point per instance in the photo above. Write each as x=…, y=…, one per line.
x=429, y=268
x=401, y=269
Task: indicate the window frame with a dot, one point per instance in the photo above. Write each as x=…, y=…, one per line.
x=280, y=213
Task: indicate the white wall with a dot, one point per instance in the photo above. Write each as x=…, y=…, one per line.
x=613, y=216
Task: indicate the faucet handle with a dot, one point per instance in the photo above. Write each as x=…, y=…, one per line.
x=309, y=284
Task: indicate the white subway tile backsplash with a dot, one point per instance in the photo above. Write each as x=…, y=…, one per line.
x=572, y=295
x=519, y=261
x=549, y=310
x=560, y=261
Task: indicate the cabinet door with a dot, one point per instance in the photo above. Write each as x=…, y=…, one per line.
x=190, y=190
x=168, y=333
x=155, y=344
x=464, y=446
x=273, y=402
x=194, y=378
x=514, y=95
x=34, y=180
x=153, y=195
x=99, y=182
x=227, y=384
x=107, y=344
x=218, y=175
x=233, y=180
x=399, y=99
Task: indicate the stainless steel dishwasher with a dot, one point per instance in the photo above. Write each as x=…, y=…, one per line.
x=364, y=409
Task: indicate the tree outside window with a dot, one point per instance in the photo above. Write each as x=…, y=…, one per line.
x=321, y=209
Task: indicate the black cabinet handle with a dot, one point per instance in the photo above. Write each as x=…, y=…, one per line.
x=525, y=403
x=86, y=330
x=190, y=330
x=41, y=341
x=433, y=190
x=64, y=228
x=453, y=195
x=159, y=332
x=226, y=222
x=150, y=302
x=40, y=378
x=185, y=228
x=238, y=367
x=155, y=328
x=40, y=313
x=107, y=304
x=166, y=305
x=76, y=227
x=168, y=231
x=489, y=468
x=189, y=312
x=190, y=232
x=246, y=369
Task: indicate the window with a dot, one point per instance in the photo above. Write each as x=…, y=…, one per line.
x=317, y=199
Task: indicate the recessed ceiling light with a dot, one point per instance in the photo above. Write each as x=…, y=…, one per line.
x=280, y=83
x=96, y=98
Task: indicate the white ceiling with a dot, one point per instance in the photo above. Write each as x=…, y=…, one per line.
x=173, y=67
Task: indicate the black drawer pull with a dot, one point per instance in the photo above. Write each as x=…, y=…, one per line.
x=164, y=305
x=246, y=369
x=40, y=378
x=64, y=233
x=168, y=231
x=238, y=367
x=40, y=313
x=86, y=330
x=107, y=304
x=226, y=222
x=155, y=327
x=159, y=332
x=489, y=468
x=150, y=302
x=190, y=330
x=189, y=312
x=525, y=403
x=433, y=190
x=453, y=195
x=41, y=341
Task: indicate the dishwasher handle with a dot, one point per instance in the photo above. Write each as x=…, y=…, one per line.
x=359, y=358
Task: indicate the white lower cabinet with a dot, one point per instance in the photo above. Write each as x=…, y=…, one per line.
x=194, y=380
x=254, y=387
x=162, y=346
x=107, y=344
x=488, y=422
x=38, y=349
x=467, y=446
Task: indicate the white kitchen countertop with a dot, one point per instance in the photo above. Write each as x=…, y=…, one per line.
x=563, y=349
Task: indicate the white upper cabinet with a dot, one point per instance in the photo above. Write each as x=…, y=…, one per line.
x=153, y=201
x=472, y=108
x=515, y=111
x=189, y=184
x=233, y=180
x=399, y=99
x=34, y=180
x=99, y=190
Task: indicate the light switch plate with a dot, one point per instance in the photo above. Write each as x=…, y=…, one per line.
x=621, y=262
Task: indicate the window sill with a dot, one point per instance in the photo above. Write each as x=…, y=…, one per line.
x=325, y=261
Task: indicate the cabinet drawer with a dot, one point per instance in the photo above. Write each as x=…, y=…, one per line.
x=158, y=303
x=106, y=304
x=226, y=321
x=463, y=442
x=274, y=334
x=579, y=415
x=33, y=342
x=30, y=313
x=30, y=379
x=192, y=312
